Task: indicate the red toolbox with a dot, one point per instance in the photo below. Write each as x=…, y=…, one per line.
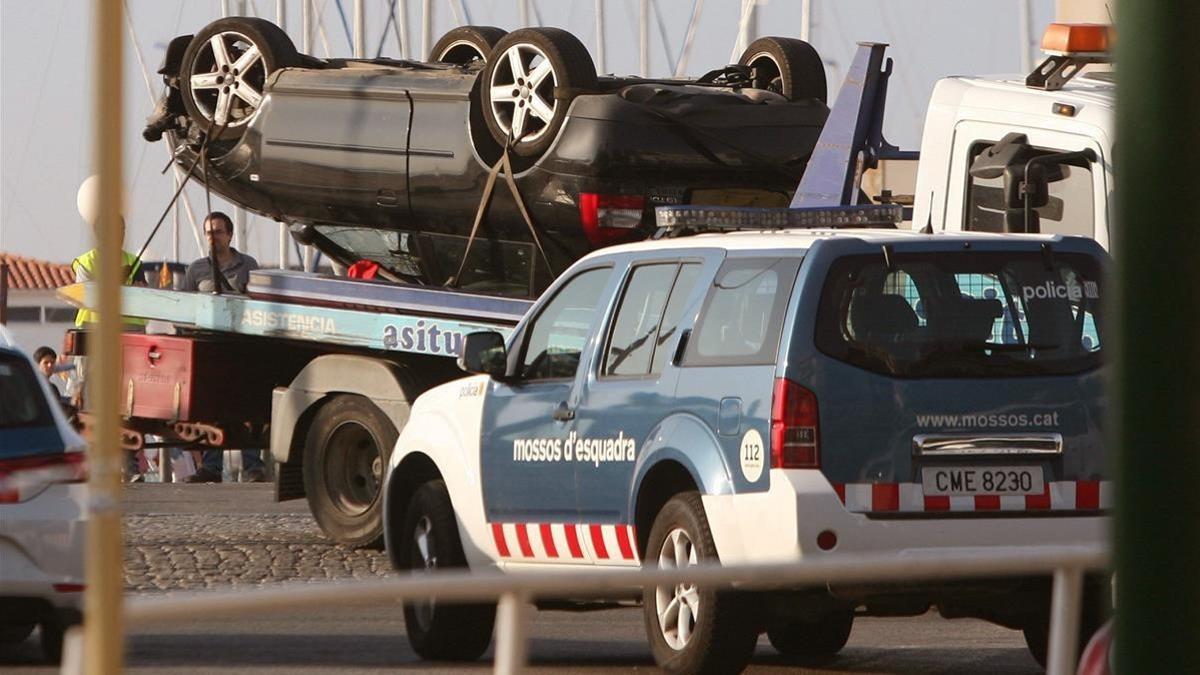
x=198, y=378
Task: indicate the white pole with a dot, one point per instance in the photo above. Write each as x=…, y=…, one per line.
x=360, y=30
x=806, y=20
x=600, y=36
x=402, y=25
x=281, y=19
x=512, y=634
x=644, y=38
x=306, y=11
x=224, y=7
x=686, y=52
x=523, y=12
x=426, y=27
x=1025, y=31
x=743, y=38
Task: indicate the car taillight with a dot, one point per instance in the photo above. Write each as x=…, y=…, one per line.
x=610, y=219
x=794, y=427
x=25, y=477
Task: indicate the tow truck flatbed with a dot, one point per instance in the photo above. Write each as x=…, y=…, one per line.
x=329, y=310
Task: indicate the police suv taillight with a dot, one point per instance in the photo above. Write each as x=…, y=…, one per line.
x=610, y=219
x=794, y=427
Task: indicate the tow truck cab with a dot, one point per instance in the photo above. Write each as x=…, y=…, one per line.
x=1032, y=155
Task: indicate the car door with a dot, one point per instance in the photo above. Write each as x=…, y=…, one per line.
x=628, y=391
x=529, y=485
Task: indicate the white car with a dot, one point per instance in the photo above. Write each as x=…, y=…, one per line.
x=43, y=507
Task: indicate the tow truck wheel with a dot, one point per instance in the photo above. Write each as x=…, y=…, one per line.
x=786, y=66
x=692, y=629
x=345, y=451
x=429, y=542
x=812, y=639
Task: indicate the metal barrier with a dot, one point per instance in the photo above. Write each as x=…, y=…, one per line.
x=1067, y=564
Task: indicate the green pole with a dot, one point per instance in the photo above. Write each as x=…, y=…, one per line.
x=1155, y=441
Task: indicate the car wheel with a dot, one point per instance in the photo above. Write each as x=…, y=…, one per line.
x=429, y=542
x=466, y=44
x=52, y=640
x=225, y=69
x=528, y=86
x=1093, y=615
x=786, y=66
x=692, y=629
x=15, y=634
x=345, y=452
x=812, y=639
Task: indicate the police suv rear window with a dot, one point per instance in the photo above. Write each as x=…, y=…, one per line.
x=743, y=313
x=963, y=314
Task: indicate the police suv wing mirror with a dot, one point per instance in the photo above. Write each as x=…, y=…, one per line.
x=483, y=353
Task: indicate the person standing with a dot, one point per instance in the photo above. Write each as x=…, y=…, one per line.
x=235, y=268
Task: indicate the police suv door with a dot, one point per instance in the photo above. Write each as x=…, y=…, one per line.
x=629, y=390
x=529, y=487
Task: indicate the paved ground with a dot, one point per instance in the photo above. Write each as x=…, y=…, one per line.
x=197, y=536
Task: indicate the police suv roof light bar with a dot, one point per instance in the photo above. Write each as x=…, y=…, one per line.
x=675, y=221
x=1070, y=47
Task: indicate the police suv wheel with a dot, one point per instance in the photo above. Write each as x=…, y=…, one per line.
x=429, y=542
x=466, y=44
x=692, y=629
x=812, y=639
x=347, y=446
x=786, y=66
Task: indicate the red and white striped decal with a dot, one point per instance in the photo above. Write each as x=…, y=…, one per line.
x=581, y=543
x=1079, y=495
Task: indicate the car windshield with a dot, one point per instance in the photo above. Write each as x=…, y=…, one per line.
x=963, y=314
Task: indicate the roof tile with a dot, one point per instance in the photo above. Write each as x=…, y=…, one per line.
x=30, y=273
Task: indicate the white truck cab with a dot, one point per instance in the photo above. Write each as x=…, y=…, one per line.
x=981, y=134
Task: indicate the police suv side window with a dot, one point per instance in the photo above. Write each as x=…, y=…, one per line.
x=556, y=337
x=743, y=313
x=647, y=319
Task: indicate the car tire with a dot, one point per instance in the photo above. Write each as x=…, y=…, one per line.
x=219, y=96
x=692, y=629
x=345, y=452
x=429, y=542
x=52, y=634
x=466, y=44
x=15, y=634
x=525, y=117
x=1093, y=615
x=812, y=639
x=786, y=66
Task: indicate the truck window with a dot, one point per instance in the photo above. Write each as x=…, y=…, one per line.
x=1071, y=207
x=963, y=314
x=494, y=266
x=743, y=313
x=647, y=319
x=556, y=337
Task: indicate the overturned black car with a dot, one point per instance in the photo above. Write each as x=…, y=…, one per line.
x=399, y=162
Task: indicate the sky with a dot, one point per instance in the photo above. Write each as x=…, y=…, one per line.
x=46, y=92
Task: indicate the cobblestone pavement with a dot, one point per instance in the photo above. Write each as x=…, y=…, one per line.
x=232, y=544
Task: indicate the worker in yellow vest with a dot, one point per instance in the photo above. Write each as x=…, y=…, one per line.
x=84, y=267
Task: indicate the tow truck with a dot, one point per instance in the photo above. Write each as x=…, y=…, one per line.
x=344, y=359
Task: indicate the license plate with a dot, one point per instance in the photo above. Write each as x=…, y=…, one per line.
x=739, y=197
x=975, y=480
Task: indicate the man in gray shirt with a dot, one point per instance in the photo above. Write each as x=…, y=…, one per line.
x=235, y=266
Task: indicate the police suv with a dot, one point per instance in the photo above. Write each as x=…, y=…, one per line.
x=766, y=395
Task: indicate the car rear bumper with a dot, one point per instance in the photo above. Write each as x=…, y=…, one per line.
x=785, y=522
x=42, y=547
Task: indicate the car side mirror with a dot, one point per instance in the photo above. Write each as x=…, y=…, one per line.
x=483, y=353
